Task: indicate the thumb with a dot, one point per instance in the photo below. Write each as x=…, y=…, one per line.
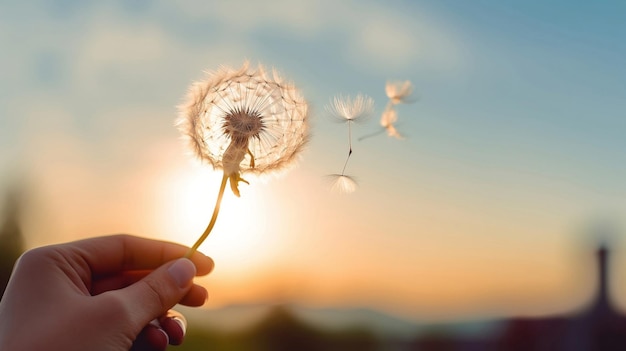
x=159, y=291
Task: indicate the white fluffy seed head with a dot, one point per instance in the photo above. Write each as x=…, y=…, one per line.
x=251, y=109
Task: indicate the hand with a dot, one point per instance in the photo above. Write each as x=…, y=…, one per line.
x=100, y=294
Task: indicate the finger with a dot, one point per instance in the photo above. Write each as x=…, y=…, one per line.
x=151, y=338
x=197, y=296
x=159, y=291
x=111, y=254
x=175, y=326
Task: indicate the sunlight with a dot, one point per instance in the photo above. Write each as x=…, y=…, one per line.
x=239, y=236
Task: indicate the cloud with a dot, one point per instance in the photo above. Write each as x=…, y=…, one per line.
x=145, y=49
x=373, y=34
x=247, y=16
x=389, y=38
x=384, y=44
x=122, y=43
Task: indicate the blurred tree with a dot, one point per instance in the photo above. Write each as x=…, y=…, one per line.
x=282, y=331
x=11, y=237
x=433, y=341
x=199, y=338
x=356, y=338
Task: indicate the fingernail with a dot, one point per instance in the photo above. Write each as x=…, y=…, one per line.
x=167, y=337
x=182, y=271
x=181, y=323
x=157, y=325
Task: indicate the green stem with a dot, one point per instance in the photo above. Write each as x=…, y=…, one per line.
x=208, y=229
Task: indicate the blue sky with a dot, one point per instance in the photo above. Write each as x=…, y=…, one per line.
x=514, y=146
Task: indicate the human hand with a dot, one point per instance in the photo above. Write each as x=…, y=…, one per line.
x=100, y=294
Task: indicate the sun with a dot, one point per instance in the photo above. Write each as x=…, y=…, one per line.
x=188, y=199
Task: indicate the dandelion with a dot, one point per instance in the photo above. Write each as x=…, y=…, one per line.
x=243, y=121
x=399, y=92
x=349, y=110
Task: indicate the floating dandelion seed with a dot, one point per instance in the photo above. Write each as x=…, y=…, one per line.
x=388, y=119
x=400, y=92
x=342, y=183
x=243, y=121
x=393, y=132
x=349, y=110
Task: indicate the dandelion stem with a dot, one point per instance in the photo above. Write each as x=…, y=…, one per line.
x=216, y=210
x=346, y=163
x=350, y=135
x=372, y=134
x=350, y=148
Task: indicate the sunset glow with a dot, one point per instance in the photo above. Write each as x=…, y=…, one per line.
x=502, y=144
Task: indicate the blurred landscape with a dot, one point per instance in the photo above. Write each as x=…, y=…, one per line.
x=278, y=326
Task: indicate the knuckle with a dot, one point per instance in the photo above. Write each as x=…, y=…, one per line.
x=117, y=305
x=34, y=257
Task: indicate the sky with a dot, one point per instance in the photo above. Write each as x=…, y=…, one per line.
x=513, y=156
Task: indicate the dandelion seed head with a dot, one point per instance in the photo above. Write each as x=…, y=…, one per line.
x=400, y=92
x=342, y=183
x=244, y=120
x=239, y=124
x=351, y=110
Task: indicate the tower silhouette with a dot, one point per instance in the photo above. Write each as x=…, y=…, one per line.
x=602, y=303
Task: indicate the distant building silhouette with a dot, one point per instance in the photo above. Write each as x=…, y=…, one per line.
x=598, y=328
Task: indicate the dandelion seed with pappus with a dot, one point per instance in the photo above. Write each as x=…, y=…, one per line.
x=346, y=109
x=387, y=121
x=400, y=92
x=342, y=183
x=243, y=121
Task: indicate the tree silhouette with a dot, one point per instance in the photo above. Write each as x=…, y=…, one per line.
x=11, y=237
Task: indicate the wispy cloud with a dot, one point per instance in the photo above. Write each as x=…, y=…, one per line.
x=244, y=17
x=374, y=35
